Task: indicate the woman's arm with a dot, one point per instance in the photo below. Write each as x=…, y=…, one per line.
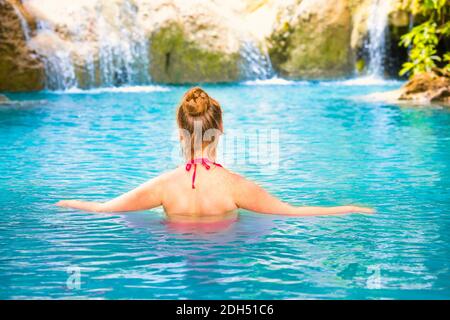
x=146, y=196
x=250, y=196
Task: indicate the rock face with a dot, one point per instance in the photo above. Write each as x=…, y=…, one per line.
x=176, y=59
x=20, y=68
x=329, y=39
x=422, y=89
x=313, y=41
x=193, y=42
x=428, y=87
x=95, y=43
x=92, y=43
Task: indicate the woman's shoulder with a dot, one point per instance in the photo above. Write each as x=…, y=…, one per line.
x=232, y=177
x=240, y=182
x=166, y=176
x=172, y=174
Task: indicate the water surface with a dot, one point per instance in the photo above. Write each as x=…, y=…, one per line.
x=334, y=149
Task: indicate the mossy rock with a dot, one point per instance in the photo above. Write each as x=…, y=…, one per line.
x=20, y=68
x=306, y=54
x=314, y=46
x=175, y=59
x=360, y=65
x=14, y=77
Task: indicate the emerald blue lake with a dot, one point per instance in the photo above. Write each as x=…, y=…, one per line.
x=335, y=148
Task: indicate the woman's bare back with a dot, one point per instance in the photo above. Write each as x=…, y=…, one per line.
x=211, y=199
x=217, y=195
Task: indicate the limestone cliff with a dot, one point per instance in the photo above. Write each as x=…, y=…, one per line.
x=111, y=42
x=193, y=41
x=92, y=43
x=314, y=40
x=20, y=68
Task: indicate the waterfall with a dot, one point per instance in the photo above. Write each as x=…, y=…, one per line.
x=105, y=43
x=255, y=64
x=377, y=29
x=103, y=48
x=23, y=23
x=126, y=58
x=59, y=68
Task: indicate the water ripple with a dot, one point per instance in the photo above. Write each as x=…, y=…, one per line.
x=334, y=149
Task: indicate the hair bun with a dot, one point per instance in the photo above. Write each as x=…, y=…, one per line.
x=196, y=102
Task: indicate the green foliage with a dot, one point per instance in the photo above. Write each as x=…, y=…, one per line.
x=424, y=38
x=447, y=59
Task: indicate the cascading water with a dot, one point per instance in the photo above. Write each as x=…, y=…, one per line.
x=377, y=29
x=105, y=49
x=255, y=64
x=59, y=68
x=105, y=43
x=23, y=23
x=124, y=59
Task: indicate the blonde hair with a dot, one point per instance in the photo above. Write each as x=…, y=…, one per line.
x=198, y=110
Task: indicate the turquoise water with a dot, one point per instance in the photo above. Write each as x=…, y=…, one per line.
x=335, y=148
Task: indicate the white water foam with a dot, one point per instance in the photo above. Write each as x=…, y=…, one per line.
x=272, y=81
x=362, y=81
x=125, y=89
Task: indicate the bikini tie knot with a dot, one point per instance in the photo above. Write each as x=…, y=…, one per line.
x=202, y=161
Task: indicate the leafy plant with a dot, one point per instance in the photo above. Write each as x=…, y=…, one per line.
x=423, y=39
x=447, y=59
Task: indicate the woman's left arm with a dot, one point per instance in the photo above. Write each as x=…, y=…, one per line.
x=146, y=196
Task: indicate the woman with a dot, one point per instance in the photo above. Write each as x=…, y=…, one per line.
x=202, y=190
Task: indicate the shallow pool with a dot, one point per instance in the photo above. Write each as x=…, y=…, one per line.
x=334, y=148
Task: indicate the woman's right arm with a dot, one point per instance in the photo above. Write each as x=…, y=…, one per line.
x=250, y=196
x=146, y=196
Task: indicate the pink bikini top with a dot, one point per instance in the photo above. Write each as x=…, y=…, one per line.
x=204, y=162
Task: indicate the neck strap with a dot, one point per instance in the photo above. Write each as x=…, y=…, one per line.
x=202, y=161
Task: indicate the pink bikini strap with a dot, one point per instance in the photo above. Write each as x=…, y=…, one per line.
x=204, y=162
